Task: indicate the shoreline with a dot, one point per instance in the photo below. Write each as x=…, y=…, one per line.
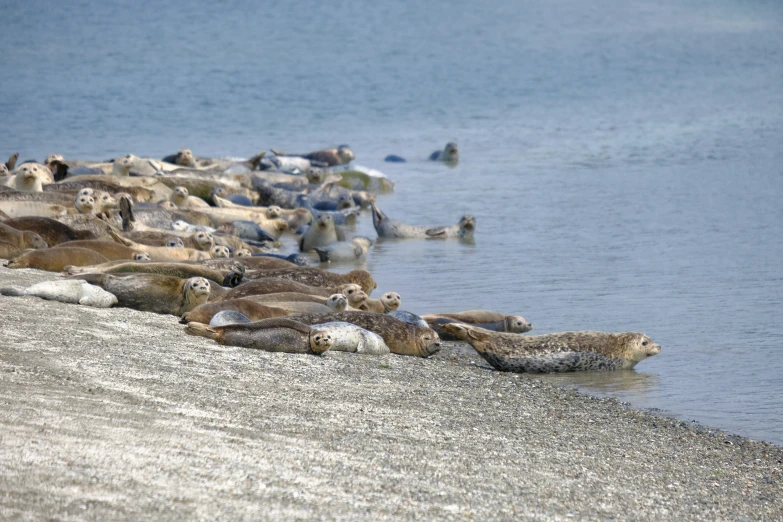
x=118, y=414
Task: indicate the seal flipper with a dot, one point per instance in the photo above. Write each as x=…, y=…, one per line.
x=60, y=170
x=323, y=255
x=11, y=163
x=201, y=330
x=255, y=161
x=126, y=213
x=438, y=232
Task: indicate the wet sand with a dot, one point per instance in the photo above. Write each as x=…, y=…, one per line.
x=118, y=415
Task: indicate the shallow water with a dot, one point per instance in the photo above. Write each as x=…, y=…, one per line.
x=622, y=158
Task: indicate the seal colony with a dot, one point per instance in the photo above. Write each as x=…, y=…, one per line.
x=197, y=238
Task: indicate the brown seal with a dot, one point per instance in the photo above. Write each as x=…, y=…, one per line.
x=51, y=230
x=287, y=297
x=318, y=277
x=181, y=270
x=56, y=259
x=557, y=352
x=401, y=338
x=274, y=285
x=470, y=316
x=22, y=239
x=271, y=335
x=152, y=292
x=251, y=309
x=300, y=307
x=252, y=263
x=8, y=251
x=111, y=250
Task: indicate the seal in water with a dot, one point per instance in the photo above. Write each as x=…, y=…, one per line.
x=152, y=292
x=509, y=324
x=386, y=227
x=449, y=154
x=354, y=339
x=557, y=352
x=401, y=338
x=271, y=335
x=393, y=158
x=66, y=291
x=322, y=233
x=351, y=250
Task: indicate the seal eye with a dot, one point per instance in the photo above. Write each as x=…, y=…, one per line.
x=644, y=343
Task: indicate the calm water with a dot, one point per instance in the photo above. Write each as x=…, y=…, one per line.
x=623, y=159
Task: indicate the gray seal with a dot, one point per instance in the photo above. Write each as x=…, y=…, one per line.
x=410, y=318
x=386, y=227
x=449, y=154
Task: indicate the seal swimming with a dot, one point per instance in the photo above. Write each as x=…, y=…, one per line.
x=557, y=352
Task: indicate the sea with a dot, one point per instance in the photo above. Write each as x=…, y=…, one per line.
x=623, y=158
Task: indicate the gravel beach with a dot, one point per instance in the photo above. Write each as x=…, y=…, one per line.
x=118, y=415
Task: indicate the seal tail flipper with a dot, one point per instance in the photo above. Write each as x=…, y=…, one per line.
x=119, y=239
x=377, y=215
x=126, y=213
x=11, y=163
x=323, y=255
x=201, y=329
x=60, y=170
x=16, y=291
x=255, y=161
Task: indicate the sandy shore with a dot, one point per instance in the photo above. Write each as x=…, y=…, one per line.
x=118, y=415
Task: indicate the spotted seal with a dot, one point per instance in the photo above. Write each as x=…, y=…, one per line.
x=30, y=177
x=111, y=250
x=274, y=285
x=401, y=338
x=152, y=292
x=181, y=270
x=557, y=352
x=66, y=291
x=386, y=227
x=271, y=335
x=226, y=317
x=337, y=302
x=411, y=318
x=318, y=277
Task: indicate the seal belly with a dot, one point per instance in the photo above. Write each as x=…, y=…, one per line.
x=556, y=362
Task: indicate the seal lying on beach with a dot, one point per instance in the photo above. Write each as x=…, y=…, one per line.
x=401, y=338
x=50, y=230
x=253, y=310
x=388, y=302
x=271, y=335
x=56, y=259
x=557, y=352
x=354, y=339
x=318, y=277
x=152, y=292
x=351, y=250
x=66, y=291
x=22, y=239
x=330, y=157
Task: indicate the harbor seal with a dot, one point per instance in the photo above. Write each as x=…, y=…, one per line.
x=354, y=339
x=22, y=239
x=343, y=251
x=8, y=251
x=181, y=270
x=337, y=302
x=509, y=324
x=386, y=227
x=50, y=230
x=111, y=250
x=226, y=317
x=152, y=292
x=271, y=335
x=66, y=291
x=247, y=307
x=557, y=352
x=183, y=157
x=449, y=154
x=322, y=233
x=411, y=318
x=388, y=302
x=56, y=259
x=330, y=157
x=319, y=277
x=30, y=177
x=273, y=285
x=401, y=338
